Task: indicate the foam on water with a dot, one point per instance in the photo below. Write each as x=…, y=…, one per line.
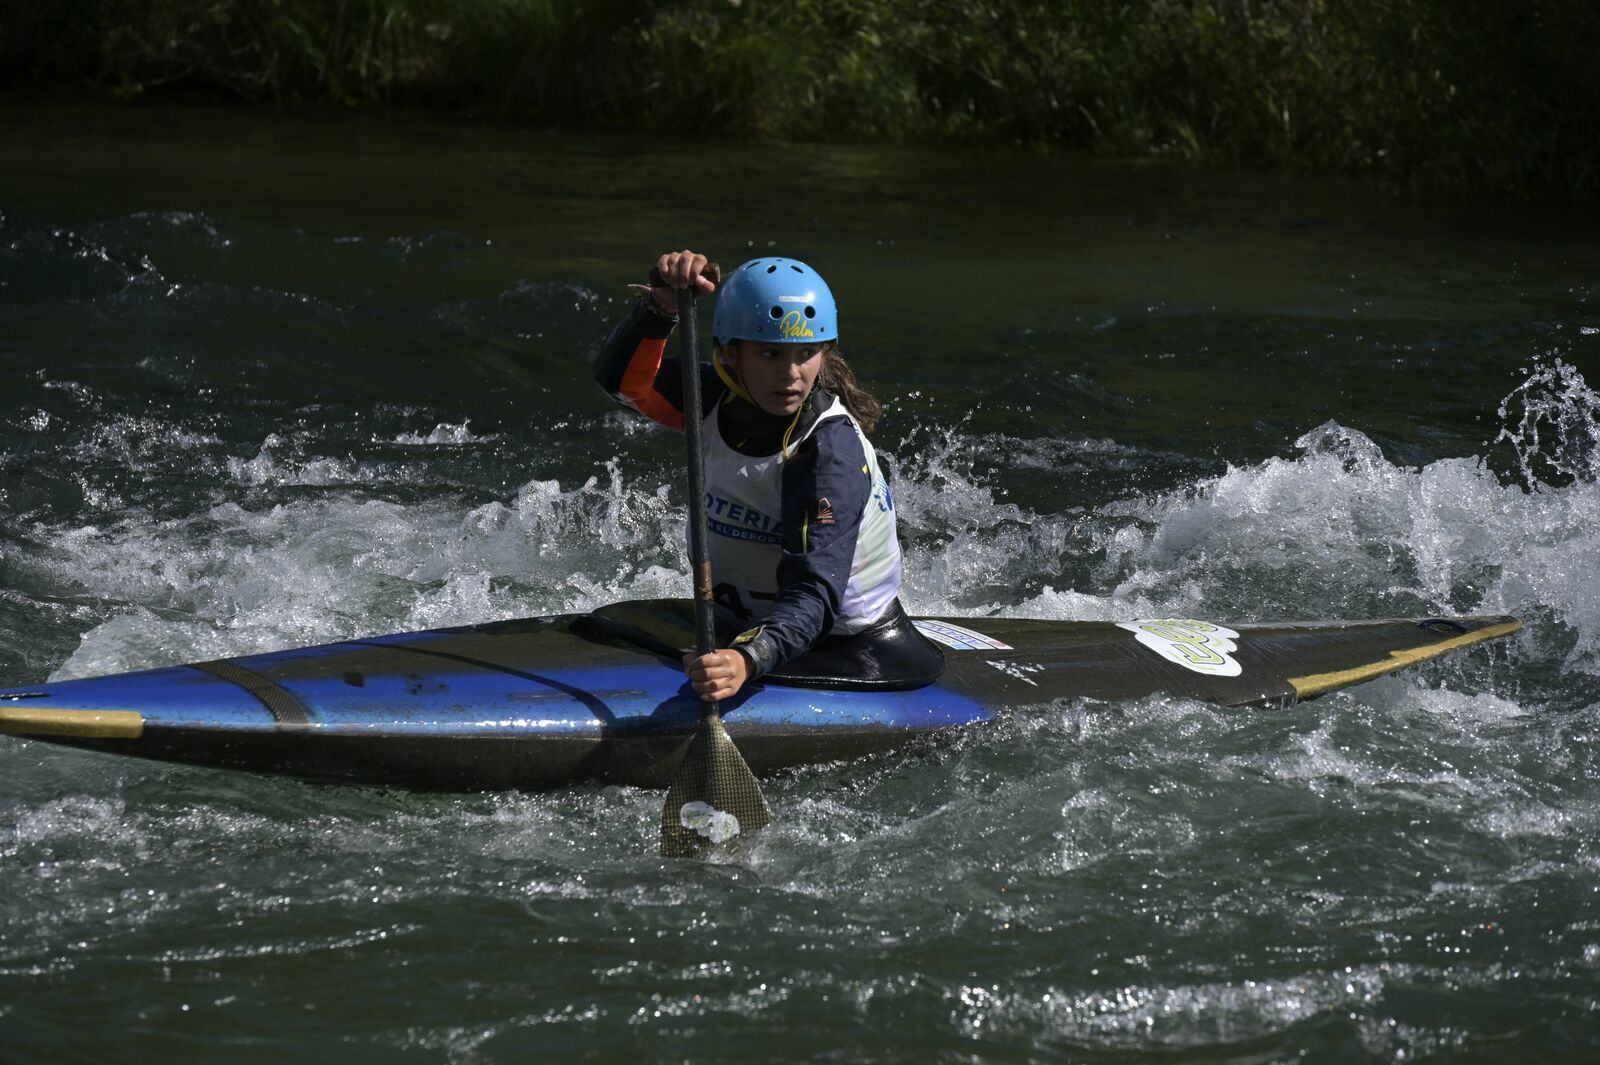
x=335, y=566
x=1336, y=530
x=232, y=432
x=1440, y=801
x=294, y=538
x=445, y=433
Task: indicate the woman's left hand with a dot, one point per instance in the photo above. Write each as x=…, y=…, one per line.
x=718, y=675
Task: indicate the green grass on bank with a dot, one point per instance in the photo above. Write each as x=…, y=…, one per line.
x=1484, y=95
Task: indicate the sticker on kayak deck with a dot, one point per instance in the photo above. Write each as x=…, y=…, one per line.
x=1018, y=670
x=962, y=639
x=1197, y=645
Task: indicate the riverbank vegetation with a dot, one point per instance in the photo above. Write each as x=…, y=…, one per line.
x=1483, y=95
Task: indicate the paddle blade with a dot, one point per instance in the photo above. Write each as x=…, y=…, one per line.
x=714, y=797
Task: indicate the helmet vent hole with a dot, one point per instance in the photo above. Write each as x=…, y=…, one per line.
x=776, y=312
x=811, y=312
x=796, y=269
x=772, y=269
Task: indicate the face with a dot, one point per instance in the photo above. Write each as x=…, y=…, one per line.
x=777, y=376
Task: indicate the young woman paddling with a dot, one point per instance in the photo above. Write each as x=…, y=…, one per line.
x=802, y=531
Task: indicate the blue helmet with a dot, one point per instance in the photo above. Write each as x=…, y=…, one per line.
x=780, y=301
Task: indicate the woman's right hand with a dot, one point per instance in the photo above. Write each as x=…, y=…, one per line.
x=676, y=269
x=679, y=269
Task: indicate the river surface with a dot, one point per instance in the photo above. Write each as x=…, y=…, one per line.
x=278, y=380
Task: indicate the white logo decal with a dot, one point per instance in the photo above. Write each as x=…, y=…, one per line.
x=957, y=636
x=1197, y=645
x=716, y=825
x=1019, y=670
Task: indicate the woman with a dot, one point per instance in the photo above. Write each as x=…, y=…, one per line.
x=802, y=531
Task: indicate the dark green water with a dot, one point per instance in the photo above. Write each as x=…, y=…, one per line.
x=281, y=380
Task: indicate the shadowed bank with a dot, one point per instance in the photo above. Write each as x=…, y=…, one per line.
x=1497, y=96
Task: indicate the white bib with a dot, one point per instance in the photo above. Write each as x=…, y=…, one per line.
x=744, y=500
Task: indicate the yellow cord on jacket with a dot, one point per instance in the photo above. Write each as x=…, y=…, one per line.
x=739, y=390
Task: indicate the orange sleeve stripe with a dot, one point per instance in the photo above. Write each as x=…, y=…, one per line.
x=639, y=384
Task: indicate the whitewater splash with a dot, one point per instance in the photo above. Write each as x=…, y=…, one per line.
x=252, y=436
x=1335, y=530
x=1550, y=424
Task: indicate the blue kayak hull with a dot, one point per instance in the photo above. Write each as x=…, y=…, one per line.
x=544, y=702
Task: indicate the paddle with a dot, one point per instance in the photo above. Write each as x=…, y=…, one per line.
x=714, y=796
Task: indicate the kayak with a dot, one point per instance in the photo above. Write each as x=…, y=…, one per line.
x=549, y=701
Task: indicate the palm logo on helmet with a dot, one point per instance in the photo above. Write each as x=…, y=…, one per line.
x=777, y=301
